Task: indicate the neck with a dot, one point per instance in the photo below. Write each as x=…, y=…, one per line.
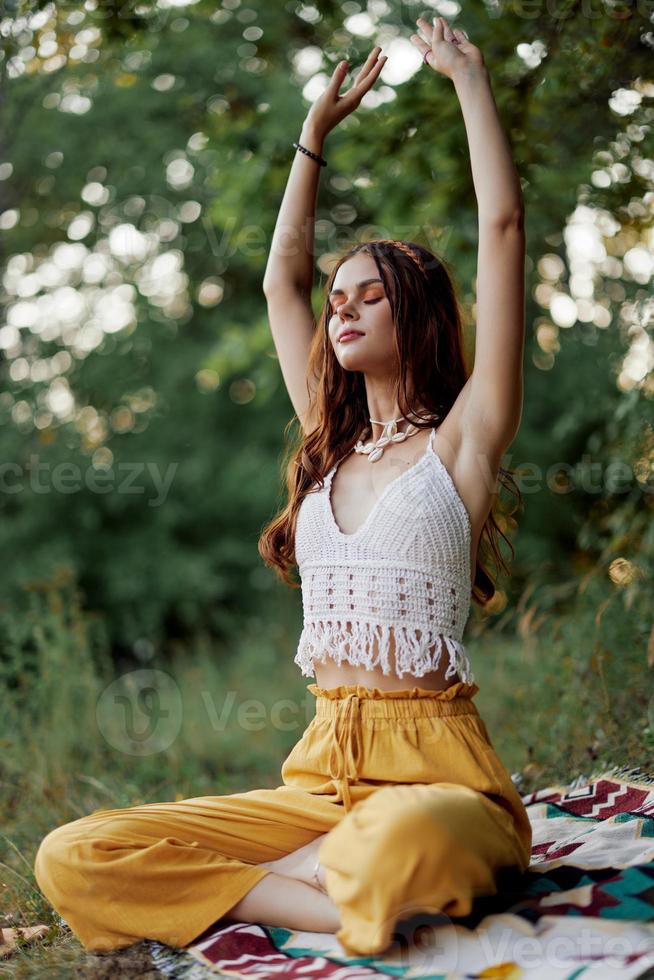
x=383, y=419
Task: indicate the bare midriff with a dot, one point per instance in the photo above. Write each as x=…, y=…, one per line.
x=332, y=674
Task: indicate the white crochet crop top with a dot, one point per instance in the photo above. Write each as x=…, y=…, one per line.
x=405, y=571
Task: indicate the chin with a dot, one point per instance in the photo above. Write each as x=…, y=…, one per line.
x=353, y=363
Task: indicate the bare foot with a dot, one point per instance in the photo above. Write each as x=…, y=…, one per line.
x=301, y=864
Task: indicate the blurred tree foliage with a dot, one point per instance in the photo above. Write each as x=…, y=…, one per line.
x=144, y=150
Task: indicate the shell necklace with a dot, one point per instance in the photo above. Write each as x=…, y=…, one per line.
x=375, y=448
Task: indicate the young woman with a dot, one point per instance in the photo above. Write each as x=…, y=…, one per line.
x=394, y=801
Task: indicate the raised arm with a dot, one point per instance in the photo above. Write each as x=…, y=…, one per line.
x=494, y=393
x=290, y=261
x=288, y=278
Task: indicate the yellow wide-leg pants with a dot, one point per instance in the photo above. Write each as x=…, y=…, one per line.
x=419, y=811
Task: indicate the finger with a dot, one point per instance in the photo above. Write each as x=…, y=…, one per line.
x=448, y=34
x=421, y=46
x=360, y=88
x=376, y=68
x=368, y=64
x=426, y=30
x=338, y=76
x=369, y=81
x=464, y=40
x=438, y=29
x=426, y=51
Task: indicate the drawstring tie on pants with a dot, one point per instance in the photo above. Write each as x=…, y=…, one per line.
x=342, y=758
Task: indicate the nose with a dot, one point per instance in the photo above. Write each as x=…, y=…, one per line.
x=342, y=313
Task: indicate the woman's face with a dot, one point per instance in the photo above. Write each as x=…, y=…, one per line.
x=360, y=304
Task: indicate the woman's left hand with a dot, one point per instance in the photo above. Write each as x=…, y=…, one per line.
x=449, y=49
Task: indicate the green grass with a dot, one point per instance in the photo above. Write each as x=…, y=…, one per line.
x=572, y=695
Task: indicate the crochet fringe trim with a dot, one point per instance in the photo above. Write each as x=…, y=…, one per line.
x=413, y=655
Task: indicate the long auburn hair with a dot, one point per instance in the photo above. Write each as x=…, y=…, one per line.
x=432, y=371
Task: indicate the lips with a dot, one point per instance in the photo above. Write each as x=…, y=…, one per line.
x=349, y=334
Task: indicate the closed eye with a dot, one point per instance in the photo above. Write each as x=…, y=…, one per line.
x=366, y=301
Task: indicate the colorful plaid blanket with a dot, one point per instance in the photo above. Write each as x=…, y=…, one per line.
x=584, y=908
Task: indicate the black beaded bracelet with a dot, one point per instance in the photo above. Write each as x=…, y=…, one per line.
x=314, y=156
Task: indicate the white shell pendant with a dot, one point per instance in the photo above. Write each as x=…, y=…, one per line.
x=375, y=450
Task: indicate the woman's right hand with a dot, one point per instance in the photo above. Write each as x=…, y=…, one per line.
x=330, y=108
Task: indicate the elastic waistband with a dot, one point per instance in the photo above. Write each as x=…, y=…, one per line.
x=413, y=702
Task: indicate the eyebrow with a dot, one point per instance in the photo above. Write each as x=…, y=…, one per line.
x=364, y=282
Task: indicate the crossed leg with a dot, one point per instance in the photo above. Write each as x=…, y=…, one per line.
x=167, y=871
x=413, y=848
x=290, y=896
